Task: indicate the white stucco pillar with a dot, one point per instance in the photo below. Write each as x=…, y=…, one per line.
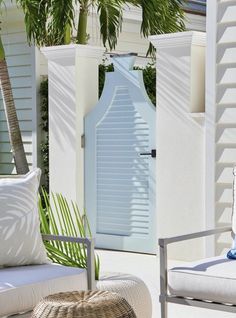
x=73, y=91
x=180, y=138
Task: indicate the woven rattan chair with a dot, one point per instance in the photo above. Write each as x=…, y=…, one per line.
x=84, y=304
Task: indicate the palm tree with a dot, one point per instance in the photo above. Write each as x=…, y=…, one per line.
x=11, y=115
x=50, y=22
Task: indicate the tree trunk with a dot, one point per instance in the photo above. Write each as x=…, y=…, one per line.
x=11, y=116
x=67, y=36
x=82, y=26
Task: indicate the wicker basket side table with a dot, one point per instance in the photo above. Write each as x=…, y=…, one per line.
x=84, y=304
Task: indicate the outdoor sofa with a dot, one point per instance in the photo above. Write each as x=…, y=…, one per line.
x=26, y=274
x=22, y=287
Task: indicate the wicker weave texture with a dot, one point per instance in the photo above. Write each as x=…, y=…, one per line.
x=84, y=304
x=130, y=287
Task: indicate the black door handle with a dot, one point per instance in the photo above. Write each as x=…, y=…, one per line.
x=153, y=153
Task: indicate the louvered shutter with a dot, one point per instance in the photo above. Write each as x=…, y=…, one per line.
x=119, y=194
x=122, y=175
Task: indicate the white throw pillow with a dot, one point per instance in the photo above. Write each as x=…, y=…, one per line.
x=20, y=239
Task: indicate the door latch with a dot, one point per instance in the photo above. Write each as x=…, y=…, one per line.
x=153, y=153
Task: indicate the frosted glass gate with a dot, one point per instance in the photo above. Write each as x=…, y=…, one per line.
x=120, y=163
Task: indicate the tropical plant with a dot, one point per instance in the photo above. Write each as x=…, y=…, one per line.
x=10, y=111
x=59, y=217
x=50, y=22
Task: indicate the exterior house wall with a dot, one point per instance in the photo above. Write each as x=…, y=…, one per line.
x=220, y=117
x=21, y=66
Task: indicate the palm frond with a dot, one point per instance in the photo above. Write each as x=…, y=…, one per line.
x=160, y=16
x=47, y=21
x=110, y=16
x=59, y=217
x=36, y=14
x=61, y=16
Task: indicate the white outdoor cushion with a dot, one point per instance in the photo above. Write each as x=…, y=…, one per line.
x=21, y=288
x=21, y=241
x=209, y=279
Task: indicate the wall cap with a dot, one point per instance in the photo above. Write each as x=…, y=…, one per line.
x=59, y=52
x=179, y=39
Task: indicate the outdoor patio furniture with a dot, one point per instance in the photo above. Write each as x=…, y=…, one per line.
x=89, y=304
x=22, y=287
x=130, y=287
x=26, y=274
x=208, y=283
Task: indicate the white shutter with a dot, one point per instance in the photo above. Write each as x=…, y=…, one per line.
x=122, y=174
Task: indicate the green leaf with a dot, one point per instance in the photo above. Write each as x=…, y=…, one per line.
x=110, y=17
x=49, y=22
x=159, y=17
x=59, y=217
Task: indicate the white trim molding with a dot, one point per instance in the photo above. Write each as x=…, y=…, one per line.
x=210, y=121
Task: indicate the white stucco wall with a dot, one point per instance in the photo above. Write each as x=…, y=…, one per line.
x=71, y=96
x=180, y=139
